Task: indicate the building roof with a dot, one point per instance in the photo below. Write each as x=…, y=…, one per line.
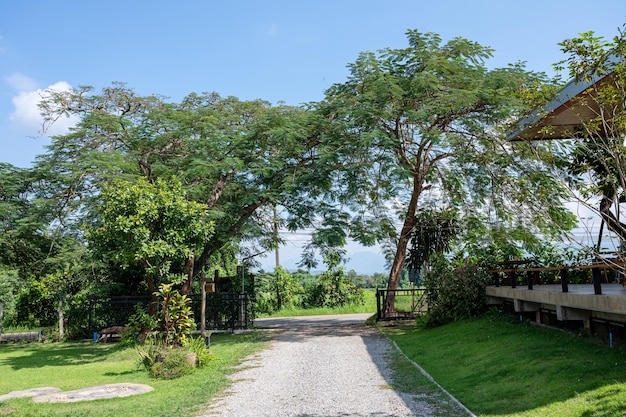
x=563, y=117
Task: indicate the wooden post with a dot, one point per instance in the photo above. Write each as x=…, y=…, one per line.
x=1, y=318
x=276, y=236
x=529, y=278
x=216, y=280
x=496, y=278
x=597, y=281
x=564, y=280
x=203, y=308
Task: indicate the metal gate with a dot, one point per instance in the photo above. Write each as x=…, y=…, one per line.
x=408, y=303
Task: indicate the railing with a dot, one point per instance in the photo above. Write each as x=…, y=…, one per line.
x=401, y=304
x=533, y=277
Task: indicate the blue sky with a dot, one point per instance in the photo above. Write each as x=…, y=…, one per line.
x=273, y=50
x=287, y=51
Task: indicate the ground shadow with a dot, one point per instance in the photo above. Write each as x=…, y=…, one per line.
x=61, y=354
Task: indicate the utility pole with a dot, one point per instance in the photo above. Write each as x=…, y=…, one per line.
x=276, y=236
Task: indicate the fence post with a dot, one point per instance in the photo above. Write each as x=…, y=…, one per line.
x=234, y=297
x=529, y=277
x=377, y=304
x=1, y=313
x=496, y=278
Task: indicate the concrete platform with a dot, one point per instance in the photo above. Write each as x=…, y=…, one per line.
x=579, y=303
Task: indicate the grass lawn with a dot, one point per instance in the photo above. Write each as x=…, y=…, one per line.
x=369, y=295
x=494, y=365
x=82, y=364
x=498, y=367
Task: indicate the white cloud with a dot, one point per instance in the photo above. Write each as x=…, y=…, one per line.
x=27, y=113
x=21, y=82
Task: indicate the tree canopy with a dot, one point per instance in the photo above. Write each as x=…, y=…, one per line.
x=238, y=158
x=424, y=125
x=410, y=134
x=150, y=225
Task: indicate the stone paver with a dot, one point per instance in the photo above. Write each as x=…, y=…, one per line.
x=33, y=392
x=55, y=395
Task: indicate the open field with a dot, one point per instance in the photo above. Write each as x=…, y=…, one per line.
x=369, y=295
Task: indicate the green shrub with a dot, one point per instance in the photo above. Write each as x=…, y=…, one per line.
x=35, y=305
x=175, y=318
x=197, y=345
x=9, y=289
x=173, y=363
x=333, y=289
x=163, y=354
x=455, y=291
x=139, y=325
x=275, y=291
x=162, y=361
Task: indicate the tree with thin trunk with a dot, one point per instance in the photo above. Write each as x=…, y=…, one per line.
x=423, y=126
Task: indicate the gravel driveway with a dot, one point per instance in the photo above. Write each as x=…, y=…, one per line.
x=319, y=366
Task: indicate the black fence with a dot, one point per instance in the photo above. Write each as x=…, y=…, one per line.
x=223, y=310
x=404, y=304
x=113, y=311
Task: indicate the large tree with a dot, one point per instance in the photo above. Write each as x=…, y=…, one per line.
x=44, y=262
x=239, y=158
x=151, y=225
x=423, y=126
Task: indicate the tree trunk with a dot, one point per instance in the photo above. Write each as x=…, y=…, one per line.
x=61, y=321
x=612, y=223
x=203, y=308
x=152, y=308
x=403, y=242
x=186, y=289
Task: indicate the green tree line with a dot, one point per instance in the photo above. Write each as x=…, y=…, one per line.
x=144, y=190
